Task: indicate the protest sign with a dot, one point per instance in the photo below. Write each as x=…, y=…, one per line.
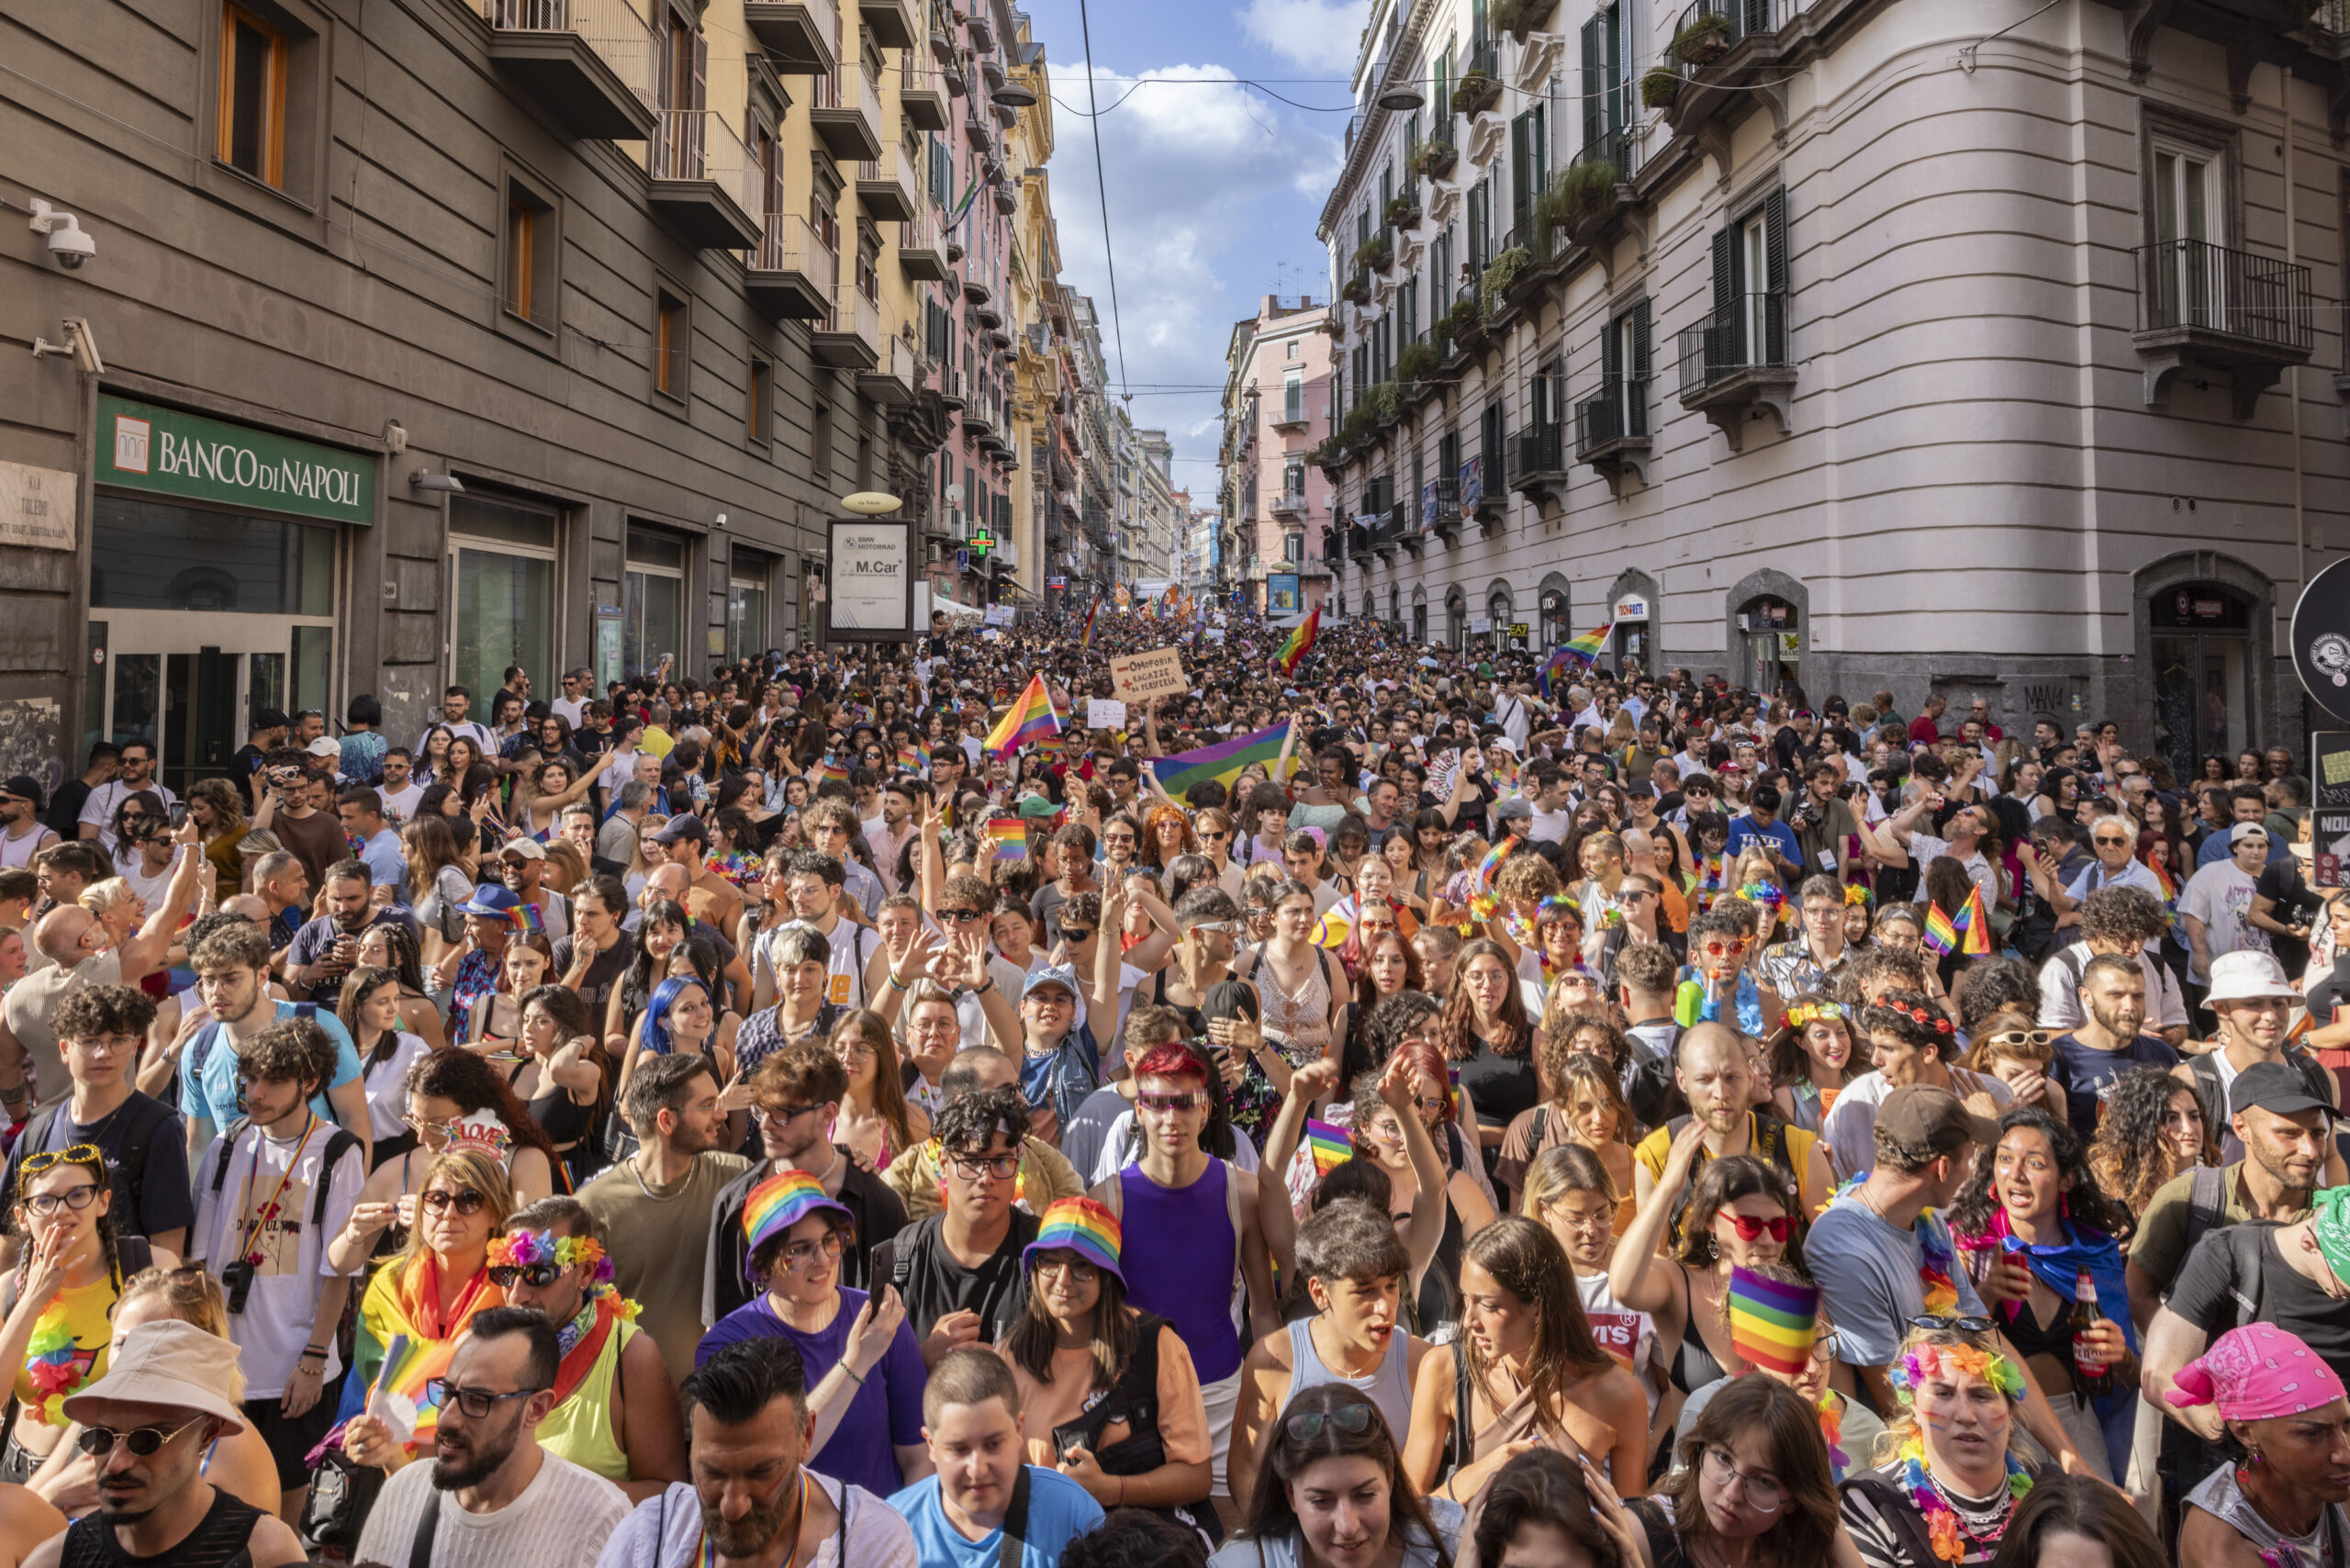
x=1137, y=678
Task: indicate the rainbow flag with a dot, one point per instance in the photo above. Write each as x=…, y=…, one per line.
x=1940, y=937
x=1220, y=762
x=1031, y=717
x=1573, y=656
x=1493, y=858
x=832, y=770
x=1973, y=921
x=1329, y=1146
x=1300, y=641
x=1772, y=1322
x=1010, y=836
x=914, y=758
x=1087, y=641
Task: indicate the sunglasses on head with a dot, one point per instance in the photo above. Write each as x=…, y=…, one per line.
x=1352, y=1419
x=1749, y=1228
x=2029, y=1039
x=86, y=1154
x=1934, y=1322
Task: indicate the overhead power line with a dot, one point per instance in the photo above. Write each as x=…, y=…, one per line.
x=1101, y=183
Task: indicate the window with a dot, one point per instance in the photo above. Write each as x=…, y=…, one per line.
x=501, y=566
x=2188, y=221
x=1293, y=548
x=820, y=440
x=653, y=598
x=1546, y=394
x=253, y=96
x=672, y=345
x=1294, y=479
x=1607, y=89
x=746, y=603
x=532, y=244
x=1621, y=408
x=1750, y=323
x=1290, y=349
x=1292, y=395
x=758, y=396
x=1529, y=152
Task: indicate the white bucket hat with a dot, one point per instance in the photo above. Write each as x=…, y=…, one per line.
x=2247, y=974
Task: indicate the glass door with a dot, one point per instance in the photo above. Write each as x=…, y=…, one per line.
x=188, y=683
x=2186, y=192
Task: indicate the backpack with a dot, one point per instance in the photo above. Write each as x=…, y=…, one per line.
x=199, y=1050
x=1770, y=1146
x=1134, y=1401
x=138, y=1137
x=339, y=1143
x=2316, y=1078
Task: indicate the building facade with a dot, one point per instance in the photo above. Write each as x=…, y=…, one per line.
x=1277, y=409
x=1854, y=344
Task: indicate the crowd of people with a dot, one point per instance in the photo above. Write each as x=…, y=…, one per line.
x=1381, y=1106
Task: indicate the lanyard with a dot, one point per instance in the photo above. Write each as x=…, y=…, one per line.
x=254, y=1222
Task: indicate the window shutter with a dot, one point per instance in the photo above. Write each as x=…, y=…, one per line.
x=1758, y=16
x=1611, y=356
x=696, y=165
x=664, y=45
x=1774, y=248
x=1729, y=319
x=1640, y=341
x=1521, y=165
x=1595, y=47
x=1614, y=23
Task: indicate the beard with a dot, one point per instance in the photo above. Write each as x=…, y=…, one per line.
x=472, y=1465
x=748, y=1535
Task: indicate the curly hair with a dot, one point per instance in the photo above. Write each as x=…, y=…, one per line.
x=2084, y=1203
x=1912, y=1018
x=1457, y=1031
x=972, y=1121
x=2130, y=1157
x=1996, y=985
x=470, y=1083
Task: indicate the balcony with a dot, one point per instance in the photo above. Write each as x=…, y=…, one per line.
x=920, y=98
x=1480, y=82
x=793, y=272
x=845, y=109
x=849, y=338
x=2204, y=307
x=990, y=318
x=981, y=31
x=1729, y=56
x=704, y=186
x=1291, y=416
x=589, y=62
x=950, y=389
x=921, y=255
x=1612, y=431
x=1440, y=507
x=977, y=291
x=1537, y=463
x=887, y=191
x=1735, y=368
x=1289, y=504
x=797, y=34
x=1387, y=532
x=894, y=378
x=891, y=22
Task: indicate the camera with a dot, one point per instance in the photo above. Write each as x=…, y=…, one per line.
x=237, y=1283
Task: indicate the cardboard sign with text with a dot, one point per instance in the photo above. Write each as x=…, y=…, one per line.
x=1139, y=678
x=1104, y=713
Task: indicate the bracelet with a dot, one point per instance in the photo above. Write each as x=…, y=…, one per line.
x=897, y=984
x=852, y=1376
x=983, y=990
x=1122, y=1491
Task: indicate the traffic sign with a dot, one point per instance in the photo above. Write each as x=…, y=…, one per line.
x=962, y=560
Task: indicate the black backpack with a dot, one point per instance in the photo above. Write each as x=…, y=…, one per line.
x=339, y=1143
x=142, y=1126
x=1770, y=1146
x=2317, y=1079
x=1134, y=1401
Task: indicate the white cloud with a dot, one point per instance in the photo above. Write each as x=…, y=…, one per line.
x=1324, y=35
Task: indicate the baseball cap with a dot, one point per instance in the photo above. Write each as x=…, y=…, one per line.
x=1923, y=1114
x=2273, y=1086
x=271, y=719
x=682, y=826
x=1517, y=808
x=170, y=1364
x=2247, y=974
x=1061, y=975
x=2243, y=831
x=528, y=848
x=25, y=787
x=323, y=746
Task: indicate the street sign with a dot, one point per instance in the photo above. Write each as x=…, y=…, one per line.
x=1518, y=628
x=2321, y=639
x=962, y=560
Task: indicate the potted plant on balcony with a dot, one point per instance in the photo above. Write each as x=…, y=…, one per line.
x=1587, y=191
x=1660, y=84
x=1436, y=159
x=1403, y=213
x=1357, y=291
x=1414, y=363
x=1519, y=17
x=1704, y=41
x=1462, y=323
x=1498, y=274
x=1385, y=402
x=1375, y=253
x=1476, y=93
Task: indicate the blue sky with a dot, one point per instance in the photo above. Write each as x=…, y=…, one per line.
x=1213, y=187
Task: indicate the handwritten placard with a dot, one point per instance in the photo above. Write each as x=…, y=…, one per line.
x=1139, y=678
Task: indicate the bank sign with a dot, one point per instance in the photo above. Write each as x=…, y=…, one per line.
x=145, y=448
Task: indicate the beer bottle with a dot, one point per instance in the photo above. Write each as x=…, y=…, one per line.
x=2092, y=1379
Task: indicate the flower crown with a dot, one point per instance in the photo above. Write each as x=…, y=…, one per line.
x=1769, y=895
x=1936, y=1361
x=524, y=1248
x=1858, y=894
x=1925, y=1017
x=1811, y=1012
x=1558, y=906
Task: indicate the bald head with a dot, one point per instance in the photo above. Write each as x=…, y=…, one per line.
x=670, y=881
x=63, y=933
x=248, y=906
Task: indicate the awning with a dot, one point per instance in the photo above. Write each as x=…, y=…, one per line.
x=941, y=603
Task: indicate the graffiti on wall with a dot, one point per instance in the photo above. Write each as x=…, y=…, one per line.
x=30, y=741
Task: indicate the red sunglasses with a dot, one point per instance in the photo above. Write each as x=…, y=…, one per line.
x=1749, y=1228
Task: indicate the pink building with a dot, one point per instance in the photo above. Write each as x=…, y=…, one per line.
x=1276, y=410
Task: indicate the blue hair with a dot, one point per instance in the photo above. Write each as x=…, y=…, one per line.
x=657, y=1011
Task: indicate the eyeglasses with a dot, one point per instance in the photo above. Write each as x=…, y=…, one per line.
x=1068, y=1263
x=72, y=1154
x=425, y=1127
x=1935, y=1323
x=849, y=1050
x=1763, y=1495
x=1749, y=1228
x=99, y=1441
x=476, y=1403
x=1728, y=950
x=467, y=1201
x=45, y=1203
x=777, y=1115
x=1117, y=838
x=1353, y=1420
x=2109, y=841
x=1190, y=1100
x=800, y=1254
x=972, y=1167
x=538, y=1276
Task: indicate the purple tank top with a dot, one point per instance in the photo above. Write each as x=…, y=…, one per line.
x=1186, y=1274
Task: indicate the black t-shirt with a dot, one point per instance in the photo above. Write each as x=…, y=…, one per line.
x=934, y=1284
x=876, y=1211
x=144, y=1143
x=2287, y=1298
x=64, y=817
x=604, y=973
x=2281, y=881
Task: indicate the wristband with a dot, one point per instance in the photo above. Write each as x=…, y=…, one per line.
x=897, y=984
x=852, y=1376
x=983, y=990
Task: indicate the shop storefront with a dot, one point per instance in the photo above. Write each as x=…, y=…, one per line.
x=1772, y=632
x=503, y=567
x=1631, y=646
x=218, y=558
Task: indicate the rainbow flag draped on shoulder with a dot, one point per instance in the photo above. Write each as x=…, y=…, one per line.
x=1031, y=717
x=1220, y=762
x=404, y=1341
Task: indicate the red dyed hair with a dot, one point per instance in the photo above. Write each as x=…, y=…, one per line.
x=1430, y=1060
x=1171, y=1059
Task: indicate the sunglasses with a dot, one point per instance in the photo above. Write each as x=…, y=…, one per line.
x=1724, y=950
x=468, y=1202
x=1074, y=934
x=1353, y=1420
x=72, y=1154
x=1934, y=1322
x=1190, y=1100
x=99, y=1441
x=2031, y=1039
x=538, y=1276
x=961, y=916
x=476, y=1403
x=1750, y=1228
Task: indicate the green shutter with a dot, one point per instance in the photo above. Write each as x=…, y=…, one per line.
x=1774, y=250
x=1728, y=324
x=1640, y=341
x=1521, y=161
x=1594, y=53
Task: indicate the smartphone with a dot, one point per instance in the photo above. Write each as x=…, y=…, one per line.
x=177, y=816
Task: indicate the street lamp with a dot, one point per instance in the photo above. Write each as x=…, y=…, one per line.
x=1402, y=99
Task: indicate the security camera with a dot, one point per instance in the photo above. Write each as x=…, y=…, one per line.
x=67, y=243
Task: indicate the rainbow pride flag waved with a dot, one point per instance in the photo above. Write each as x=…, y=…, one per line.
x=1009, y=837
x=1220, y=762
x=1329, y=1146
x=1300, y=641
x=1031, y=718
